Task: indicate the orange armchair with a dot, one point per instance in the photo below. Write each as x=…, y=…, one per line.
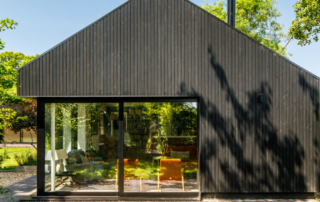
x=170, y=170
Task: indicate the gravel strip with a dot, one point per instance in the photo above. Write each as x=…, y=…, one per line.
x=9, y=178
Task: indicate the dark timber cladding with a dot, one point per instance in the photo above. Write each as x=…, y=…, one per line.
x=168, y=48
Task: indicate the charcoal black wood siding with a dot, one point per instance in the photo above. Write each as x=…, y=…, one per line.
x=174, y=48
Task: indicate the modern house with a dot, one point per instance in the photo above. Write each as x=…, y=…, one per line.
x=159, y=98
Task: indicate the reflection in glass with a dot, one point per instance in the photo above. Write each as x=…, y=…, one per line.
x=81, y=146
x=160, y=147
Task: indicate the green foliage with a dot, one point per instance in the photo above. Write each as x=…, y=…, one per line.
x=15, y=59
x=160, y=148
x=28, y=109
x=10, y=164
x=8, y=82
x=174, y=118
x=102, y=174
x=66, y=114
x=255, y=18
x=7, y=117
x=4, y=191
x=5, y=154
x=93, y=153
x=48, y=142
x=306, y=25
x=9, y=63
x=29, y=158
x=6, y=24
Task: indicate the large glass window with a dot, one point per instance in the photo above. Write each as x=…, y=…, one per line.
x=81, y=147
x=160, y=147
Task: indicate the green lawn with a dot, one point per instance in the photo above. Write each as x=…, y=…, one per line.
x=10, y=164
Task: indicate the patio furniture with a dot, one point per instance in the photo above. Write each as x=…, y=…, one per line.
x=170, y=171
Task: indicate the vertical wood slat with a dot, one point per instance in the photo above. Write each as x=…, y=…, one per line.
x=60, y=69
x=312, y=132
x=22, y=81
x=126, y=51
x=316, y=137
x=33, y=87
x=46, y=74
x=113, y=55
x=316, y=133
x=308, y=135
x=39, y=77
x=80, y=64
x=30, y=74
x=295, y=109
x=107, y=79
x=102, y=47
x=94, y=76
x=146, y=45
x=57, y=71
x=204, y=85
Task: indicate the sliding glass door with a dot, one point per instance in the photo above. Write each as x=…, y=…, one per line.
x=121, y=148
x=81, y=147
x=160, y=147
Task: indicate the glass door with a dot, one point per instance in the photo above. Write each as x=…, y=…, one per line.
x=160, y=151
x=81, y=147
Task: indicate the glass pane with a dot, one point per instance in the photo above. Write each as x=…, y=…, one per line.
x=81, y=147
x=160, y=147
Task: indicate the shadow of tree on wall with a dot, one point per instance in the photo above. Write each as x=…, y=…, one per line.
x=271, y=163
x=310, y=90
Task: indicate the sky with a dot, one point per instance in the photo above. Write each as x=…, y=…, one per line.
x=44, y=24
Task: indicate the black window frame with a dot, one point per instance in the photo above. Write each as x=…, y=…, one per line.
x=120, y=194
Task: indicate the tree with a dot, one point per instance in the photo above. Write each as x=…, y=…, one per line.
x=15, y=60
x=27, y=109
x=9, y=62
x=6, y=24
x=255, y=18
x=306, y=25
x=7, y=74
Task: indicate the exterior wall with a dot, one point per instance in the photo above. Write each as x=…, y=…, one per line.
x=26, y=136
x=166, y=48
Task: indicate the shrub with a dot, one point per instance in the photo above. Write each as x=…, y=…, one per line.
x=5, y=155
x=27, y=159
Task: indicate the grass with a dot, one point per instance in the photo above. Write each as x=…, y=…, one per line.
x=10, y=164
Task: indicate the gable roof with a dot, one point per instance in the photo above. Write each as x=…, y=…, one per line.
x=119, y=7
x=118, y=24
